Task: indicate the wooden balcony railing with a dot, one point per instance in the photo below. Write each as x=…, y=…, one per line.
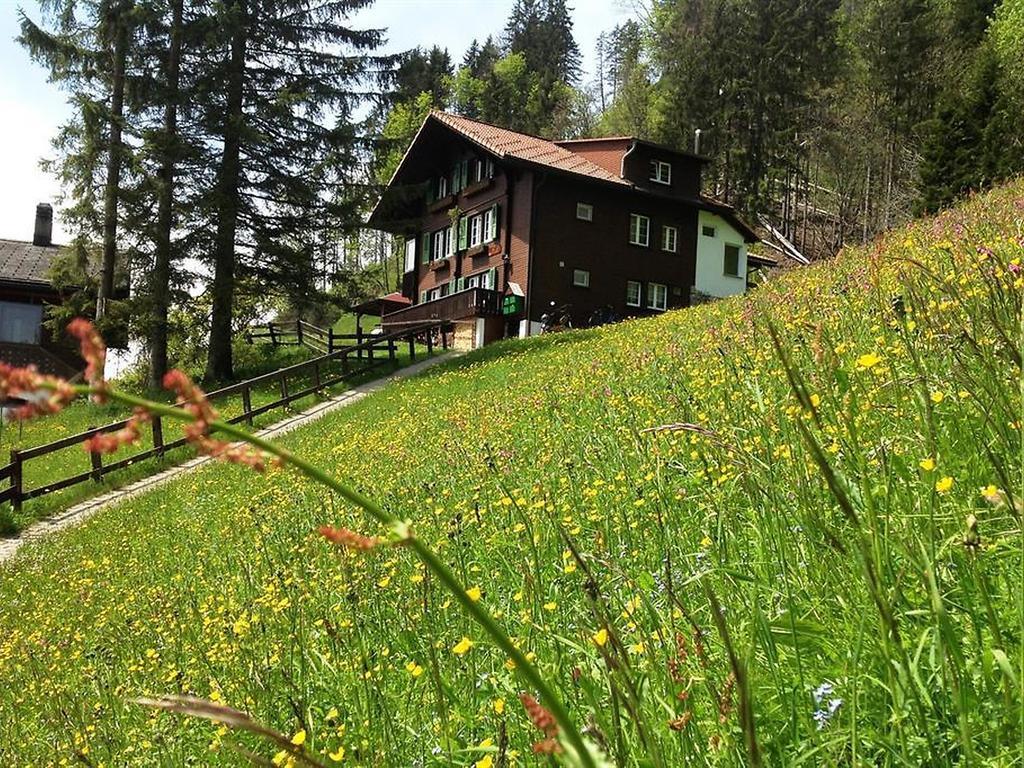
x=472, y=302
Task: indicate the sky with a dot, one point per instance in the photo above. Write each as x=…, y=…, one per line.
x=32, y=109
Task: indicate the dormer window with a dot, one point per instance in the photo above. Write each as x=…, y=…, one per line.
x=661, y=172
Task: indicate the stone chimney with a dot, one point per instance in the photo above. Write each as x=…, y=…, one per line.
x=44, y=225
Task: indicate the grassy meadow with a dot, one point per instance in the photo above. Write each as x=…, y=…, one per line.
x=647, y=509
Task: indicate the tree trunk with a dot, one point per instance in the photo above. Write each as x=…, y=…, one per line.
x=161, y=287
x=112, y=188
x=218, y=361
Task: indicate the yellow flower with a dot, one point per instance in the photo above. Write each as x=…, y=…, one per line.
x=416, y=578
x=337, y=756
x=414, y=669
x=927, y=464
x=938, y=397
x=815, y=400
x=550, y=606
x=499, y=706
x=299, y=738
x=870, y=360
x=484, y=762
x=462, y=647
x=600, y=637
x=944, y=484
x=473, y=593
x=990, y=492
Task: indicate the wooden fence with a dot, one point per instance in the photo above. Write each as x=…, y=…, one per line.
x=294, y=333
x=317, y=370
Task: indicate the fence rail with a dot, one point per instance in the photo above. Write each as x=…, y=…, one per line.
x=369, y=352
x=296, y=333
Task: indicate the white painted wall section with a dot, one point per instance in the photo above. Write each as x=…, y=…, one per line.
x=711, y=278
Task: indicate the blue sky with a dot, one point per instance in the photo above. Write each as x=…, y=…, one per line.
x=32, y=109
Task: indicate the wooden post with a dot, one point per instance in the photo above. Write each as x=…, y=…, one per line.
x=273, y=338
x=16, y=480
x=247, y=405
x=158, y=436
x=316, y=375
x=97, y=464
x=430, y=341
x=369, y=349
x=359, y=340
x=391, y=350
x=330, y=340
x=298, y=331
x=284, y=387
x=412, y=346
x=444, y=336
x=344, y=363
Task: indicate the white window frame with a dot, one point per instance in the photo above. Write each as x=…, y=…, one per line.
x=476, y=230
x=581, y=278
x=434, y=294
x=661, y=172
x=665, y=232
x=739, y=254
x=638, y=219
x=653, y=294
x=639, y=293
x=439, y=244
x=442, y=187
x=584, y=211
x=410, y=254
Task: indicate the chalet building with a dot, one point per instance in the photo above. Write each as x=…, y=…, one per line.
x=25, y=290
x=500, y=227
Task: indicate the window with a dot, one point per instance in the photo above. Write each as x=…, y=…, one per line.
x=476, y=231
x=632, y=293
x=581, y=278
x=732, y=260
x=668, y=239
x=20, y=323
x=477, y=170
x=486, y=224
x=661, y=172
x=440, y=248
x=639, y=230
x=657, y=296
x=410, y=255
x=441, y=189
x=584, y=211
x=707, y=231
x=433, y=294
x=482, y=279
x=491, y=224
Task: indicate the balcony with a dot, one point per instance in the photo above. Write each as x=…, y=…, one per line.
x=472, y=302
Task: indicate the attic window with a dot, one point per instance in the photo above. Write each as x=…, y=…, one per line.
x=661, y=172
x=441, y=189
x=584, y=211
x=707, y=231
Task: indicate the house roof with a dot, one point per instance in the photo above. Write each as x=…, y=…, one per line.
x=22, y=262
x=524, y=147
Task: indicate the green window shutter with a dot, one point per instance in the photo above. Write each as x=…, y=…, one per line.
x=492, y=278
x=465, y=173
x=423, y=297
x=463, y=232
x=492, y=230
x=456, y=179
x=460, y=284
x=425, y=252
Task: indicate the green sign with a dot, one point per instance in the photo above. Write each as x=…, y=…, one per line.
x=511, y=305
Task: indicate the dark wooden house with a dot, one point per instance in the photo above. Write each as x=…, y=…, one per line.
x=25, y=290
x=501, y=227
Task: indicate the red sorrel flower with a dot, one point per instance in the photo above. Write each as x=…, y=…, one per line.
x=343, y=537
x=545, y=722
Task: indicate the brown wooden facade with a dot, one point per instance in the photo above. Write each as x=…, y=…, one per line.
x=547, y=221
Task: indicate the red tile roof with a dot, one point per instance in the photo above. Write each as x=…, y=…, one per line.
x=521, y=146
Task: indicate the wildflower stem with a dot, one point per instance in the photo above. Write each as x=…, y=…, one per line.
x=522, y=665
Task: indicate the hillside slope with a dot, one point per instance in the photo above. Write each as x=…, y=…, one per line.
x=674, y=455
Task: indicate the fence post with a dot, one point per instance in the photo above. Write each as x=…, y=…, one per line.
x=97, y=464
x=316, y=375
x=284, y=388
x=369, y=350
x=273, y=338
x=16, y=480
x=412, y=346
x=298, y=331
x=430, y=341
x=330, y=340
x=391, y=350
x=247, y=405
x=344, y=363
x=158, y=436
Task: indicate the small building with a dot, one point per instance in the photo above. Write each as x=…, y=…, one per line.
x=502, y=227
x=25, y=290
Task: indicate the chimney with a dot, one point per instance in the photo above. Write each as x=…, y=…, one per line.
x=44, y=225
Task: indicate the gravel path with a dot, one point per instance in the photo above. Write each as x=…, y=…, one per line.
x=82, y=511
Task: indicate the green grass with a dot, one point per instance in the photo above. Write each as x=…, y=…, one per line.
x=821, y=494
x=347, y=323
x=82, y=415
